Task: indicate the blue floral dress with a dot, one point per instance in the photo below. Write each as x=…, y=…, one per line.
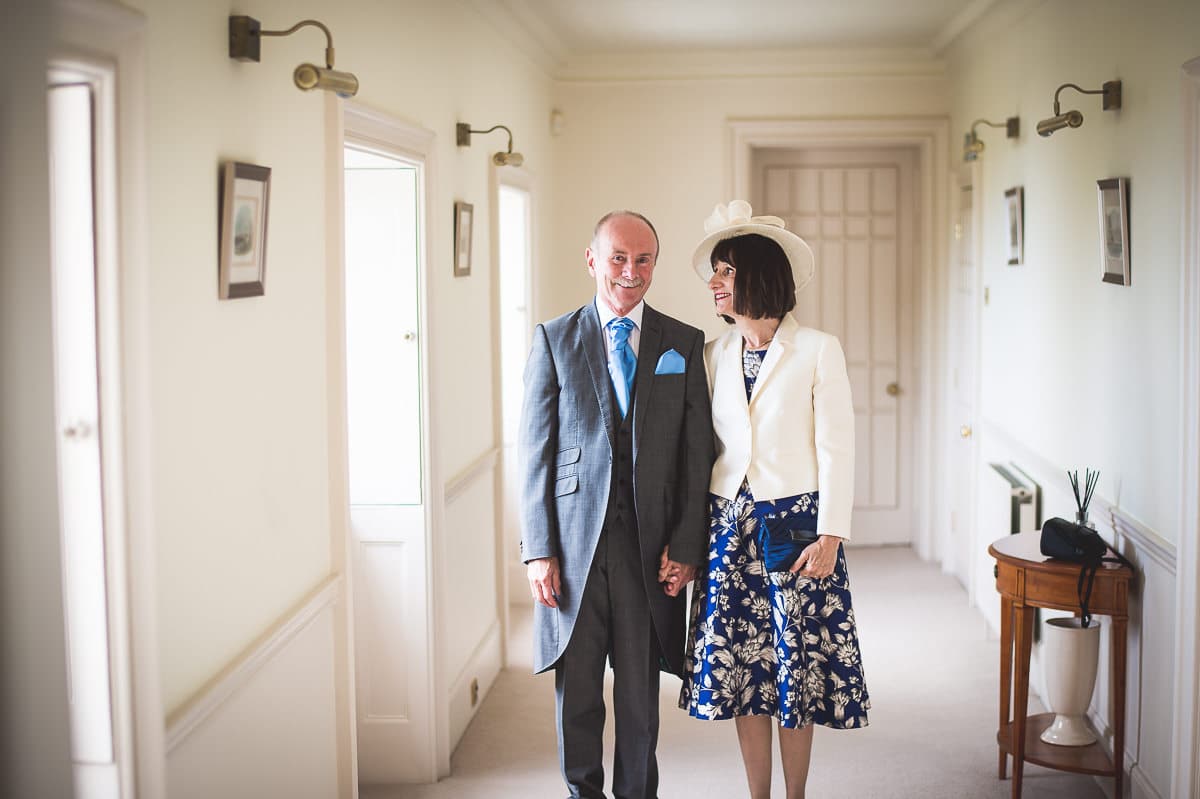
x=770, y=643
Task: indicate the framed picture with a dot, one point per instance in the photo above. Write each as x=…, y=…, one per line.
x=1014, y=205
x=463, y=213
x=245, y=195
x=1114, y=230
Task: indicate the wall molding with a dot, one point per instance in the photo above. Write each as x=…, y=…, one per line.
x=930, y=136
x=212, y=696
x=484, y=464
x=1146, y=540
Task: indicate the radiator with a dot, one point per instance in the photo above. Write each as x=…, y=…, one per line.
x=1016, y=500
x=1009, y=502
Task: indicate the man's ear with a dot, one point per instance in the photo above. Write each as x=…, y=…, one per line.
x=590, y=257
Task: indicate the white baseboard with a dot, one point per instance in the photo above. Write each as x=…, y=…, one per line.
x=481, y=671
x=267, y=725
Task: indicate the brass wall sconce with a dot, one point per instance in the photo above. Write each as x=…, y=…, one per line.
x=245, y=44
x=973, y=145
x=462, y=132
x=1073, y=119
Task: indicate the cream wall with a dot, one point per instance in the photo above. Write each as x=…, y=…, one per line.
x=1074, y=372
x=1084, y=373
x=242, y=459
x=661, y=147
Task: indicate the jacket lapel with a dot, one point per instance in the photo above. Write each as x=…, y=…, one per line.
x=775, y=353
x=590, y=340
x=729, y=386
x=648, y=353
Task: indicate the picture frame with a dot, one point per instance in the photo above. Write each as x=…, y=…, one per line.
x=245, y=195
x=1014, y=206
x=464, y=214
x=1113, y=202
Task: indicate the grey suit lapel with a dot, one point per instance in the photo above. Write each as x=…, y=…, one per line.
x=647, y=361
x=590, y=340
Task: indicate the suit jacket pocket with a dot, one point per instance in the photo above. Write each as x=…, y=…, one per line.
x=566, y=485
x=567, y=456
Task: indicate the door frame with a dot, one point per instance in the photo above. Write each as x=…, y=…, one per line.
x=930, y=136
x=509, y=571
x=106, y=41
x=964, y=559
x=352, y=123
x=1185, y=776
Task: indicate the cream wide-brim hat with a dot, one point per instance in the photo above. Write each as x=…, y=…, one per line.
x=737, y=219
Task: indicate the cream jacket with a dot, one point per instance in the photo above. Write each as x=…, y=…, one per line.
x=796, y=434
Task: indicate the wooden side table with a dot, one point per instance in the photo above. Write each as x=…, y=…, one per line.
x=1027, y=579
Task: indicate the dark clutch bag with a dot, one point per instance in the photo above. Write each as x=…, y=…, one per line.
x=784, y=531
x=1069, y=541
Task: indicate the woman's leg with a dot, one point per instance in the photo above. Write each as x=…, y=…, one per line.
x=795, y=749
x=754, y=738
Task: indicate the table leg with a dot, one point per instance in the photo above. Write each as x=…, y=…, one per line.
x=1119, y=648
x=1023, y=624
x=1006, y=650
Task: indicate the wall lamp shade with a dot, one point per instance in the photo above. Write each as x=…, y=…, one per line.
x=1073, y=119
x=462, y=135
x=309, y=76
x=245, y=44
x=973, y=145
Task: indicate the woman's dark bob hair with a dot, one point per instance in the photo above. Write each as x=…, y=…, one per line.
x=763, y=285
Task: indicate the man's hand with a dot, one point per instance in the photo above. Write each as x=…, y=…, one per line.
x=544, y=581
x=817, y=560
x=673, y=575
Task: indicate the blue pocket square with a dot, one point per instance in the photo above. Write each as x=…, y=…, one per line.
x=670, y=363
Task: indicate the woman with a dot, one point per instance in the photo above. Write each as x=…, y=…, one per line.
x=773, y=631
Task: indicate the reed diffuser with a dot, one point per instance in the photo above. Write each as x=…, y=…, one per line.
x=1084, y=499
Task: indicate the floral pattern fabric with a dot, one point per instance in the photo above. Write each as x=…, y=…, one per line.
x=770, y=643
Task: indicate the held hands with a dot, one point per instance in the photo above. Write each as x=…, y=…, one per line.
x=674, y=576
x=544, y=581
x=817, y=560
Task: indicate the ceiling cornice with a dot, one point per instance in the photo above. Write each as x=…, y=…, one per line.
x=959, y=23
x=529, y=34
x=718, y=64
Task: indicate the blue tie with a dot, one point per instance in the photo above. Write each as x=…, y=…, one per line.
x=622, y=363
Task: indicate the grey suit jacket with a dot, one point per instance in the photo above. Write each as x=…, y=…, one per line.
x=568, y=426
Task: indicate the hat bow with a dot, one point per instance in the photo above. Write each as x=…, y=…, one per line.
x=737, y=212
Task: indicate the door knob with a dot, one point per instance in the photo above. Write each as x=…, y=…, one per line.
x=893, y=389
x=78, y=430
x=965, y=431
x=410, y=335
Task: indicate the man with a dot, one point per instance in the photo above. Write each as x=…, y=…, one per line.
x=616, y=450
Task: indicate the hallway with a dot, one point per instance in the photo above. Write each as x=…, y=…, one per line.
x=932, y=733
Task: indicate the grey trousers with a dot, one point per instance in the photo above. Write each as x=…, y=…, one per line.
x=614, y=624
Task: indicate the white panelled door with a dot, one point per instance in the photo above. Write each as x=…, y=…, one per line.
x=77, y=414
x=393, y=652
x=857, y=209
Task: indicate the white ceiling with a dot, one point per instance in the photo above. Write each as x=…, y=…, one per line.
x=568, y=30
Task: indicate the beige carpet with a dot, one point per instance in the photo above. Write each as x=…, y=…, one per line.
x=931, y=668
